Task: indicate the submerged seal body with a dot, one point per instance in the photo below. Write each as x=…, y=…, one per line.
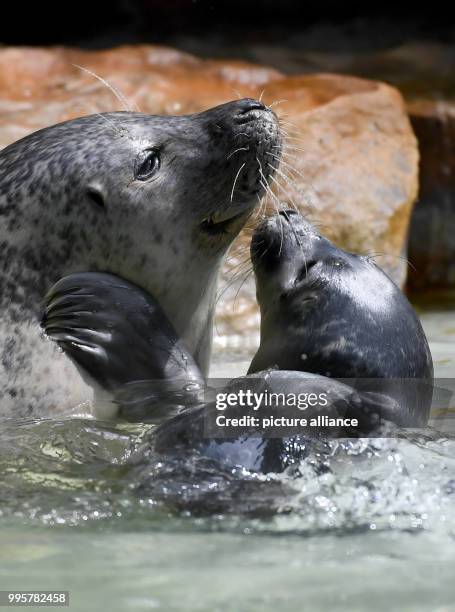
x=325, y=313
x=154, y=199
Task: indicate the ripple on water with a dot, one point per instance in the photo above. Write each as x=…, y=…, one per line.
x=80, y=472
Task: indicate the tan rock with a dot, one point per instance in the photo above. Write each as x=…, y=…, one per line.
x=423, y=72
x=351, y=153
x=39, y=87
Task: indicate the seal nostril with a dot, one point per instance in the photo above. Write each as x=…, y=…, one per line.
x=287, y=213
x=251, y=105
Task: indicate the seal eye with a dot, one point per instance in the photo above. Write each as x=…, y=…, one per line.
x=147, y=164
x=337, y=263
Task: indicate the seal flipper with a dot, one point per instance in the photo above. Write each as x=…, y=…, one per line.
x=118, y=335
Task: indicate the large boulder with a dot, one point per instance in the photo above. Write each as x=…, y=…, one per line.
x=423, y=72
x=350, y=161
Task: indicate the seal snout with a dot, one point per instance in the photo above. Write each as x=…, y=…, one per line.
x=245, y=149
x=280, y=238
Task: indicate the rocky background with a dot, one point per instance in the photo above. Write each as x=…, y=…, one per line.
x=353, y=91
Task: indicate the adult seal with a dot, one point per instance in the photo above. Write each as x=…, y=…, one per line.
x=154, y=199
x=331, y=323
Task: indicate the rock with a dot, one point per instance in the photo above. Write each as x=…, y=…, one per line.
x=423, y=72
x=39, y=87
x=432, y=231
x=351, y=155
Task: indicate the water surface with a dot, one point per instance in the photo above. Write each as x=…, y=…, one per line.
x=86, y=507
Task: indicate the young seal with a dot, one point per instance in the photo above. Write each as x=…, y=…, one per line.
x=333, y=313
x=323, y=310
x=154, y=199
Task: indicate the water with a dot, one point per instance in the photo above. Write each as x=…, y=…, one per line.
x=86, y=507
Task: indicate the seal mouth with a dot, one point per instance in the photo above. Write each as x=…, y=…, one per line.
x=219, y=223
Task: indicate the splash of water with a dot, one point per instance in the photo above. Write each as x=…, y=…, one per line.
x=80, y=472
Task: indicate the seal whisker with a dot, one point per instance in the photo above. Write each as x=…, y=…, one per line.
x=296, y=158
x=292, y=131
x=236, y=151
x=277, y=204
x=248, y=273
x=271, y=194
x=293, y=184
x=239, y=263
x=235, y=277
x=262, y=180
x=297, y=171
x=275, y=103
x=284, y=132
x=121, y=131
x=289, y=147
x=268, y=190
x=293, y=147
x=290, y=124
x=290, y=137
x=235, y=180
x=288, y=164
x=291, y=168
x=274, y=200
x=375, y=254
x=284, y=190
x=260, y=208
x=239, y=95
x=118, y=94
x=238, y=273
